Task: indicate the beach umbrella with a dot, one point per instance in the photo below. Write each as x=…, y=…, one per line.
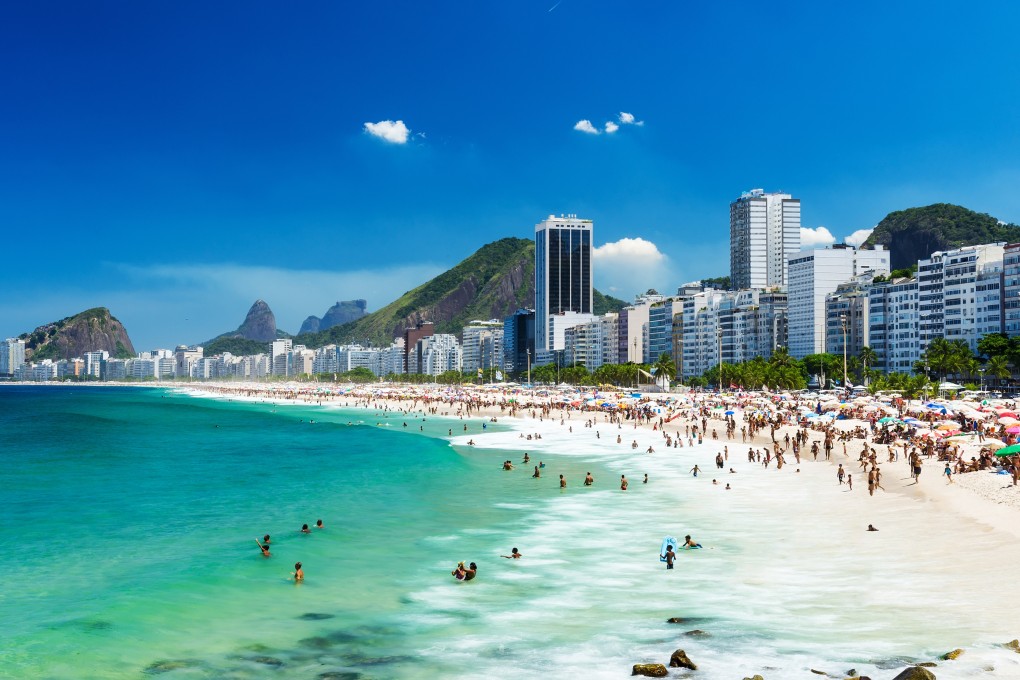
x=948, y=426
x=1013, y=429
x=1008, y=420
x=1007, y=414
x=993, y=444
x=1008, y=450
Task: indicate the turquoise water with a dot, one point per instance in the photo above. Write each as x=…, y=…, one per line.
x=129, y=519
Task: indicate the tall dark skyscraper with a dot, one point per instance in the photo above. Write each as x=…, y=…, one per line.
x=563, y=273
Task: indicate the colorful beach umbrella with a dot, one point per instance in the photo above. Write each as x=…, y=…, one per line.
x=1008, y=450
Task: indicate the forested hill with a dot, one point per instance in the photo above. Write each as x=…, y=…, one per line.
x=492, y=283
x=915, y=233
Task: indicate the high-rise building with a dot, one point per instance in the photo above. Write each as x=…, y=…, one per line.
x=12, y=356
x=518, y=340
x=482, y=345
x=764, y=234
x=563, y=275
x=813, y=274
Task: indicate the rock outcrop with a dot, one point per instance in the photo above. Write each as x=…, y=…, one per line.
x=949, y=656
x=679, y=659
x=94, y=330
x=259, y=324
x=337, y=315
x=650, y=670
x=915, y=673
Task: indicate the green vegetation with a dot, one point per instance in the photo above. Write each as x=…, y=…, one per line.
x=915, y=233
x=240, y=347
x=603, y=304
x=474, y=289
x=905, y=273
x=722, y=282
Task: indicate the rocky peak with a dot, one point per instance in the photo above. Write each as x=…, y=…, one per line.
x=259, y=324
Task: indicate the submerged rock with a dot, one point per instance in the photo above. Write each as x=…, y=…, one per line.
x=697, y=633
x=317, y=642
x=755, y=677
x=679, y=659
x=339, y=675
x=926, y=664
x=650, y=670
x=949, y=656
x=1014, y=645
x=315, y=616
x=915, y=673
x=267, y=660
x=675, y=619
x=168, y=665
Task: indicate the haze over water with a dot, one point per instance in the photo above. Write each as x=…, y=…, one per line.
x=130, y=517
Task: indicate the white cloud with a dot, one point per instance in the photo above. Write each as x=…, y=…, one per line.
x=631, y=265
x=628, y=119
x=858, y=237
x=611, y=127
x=814, y=238
x=394, y=132
x=586, y=126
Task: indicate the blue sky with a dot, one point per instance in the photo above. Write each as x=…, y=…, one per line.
x=176, y=161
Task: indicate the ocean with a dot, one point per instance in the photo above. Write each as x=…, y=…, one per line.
x=130, y=517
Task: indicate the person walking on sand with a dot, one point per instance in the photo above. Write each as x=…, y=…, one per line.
x=850, y=481
x=948, y=472
x=840, y=473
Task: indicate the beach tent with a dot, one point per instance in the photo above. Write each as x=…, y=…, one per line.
x=949, y=386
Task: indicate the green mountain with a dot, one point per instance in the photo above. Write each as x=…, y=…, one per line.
x=490, y=284
x=603, y=304
x=93, y=330
x=915, y=233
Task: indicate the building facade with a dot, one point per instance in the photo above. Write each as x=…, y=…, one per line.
x=764, y=235
x=814, y=274
x=563, y=274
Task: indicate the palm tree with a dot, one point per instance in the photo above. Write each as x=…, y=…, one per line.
x=664, y=367
x=869, y=357
x=998, y=366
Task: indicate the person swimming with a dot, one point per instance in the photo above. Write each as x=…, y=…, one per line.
x=318, y=524
x=305, y=529
x=690, y=544
x=264, y=547
x=514, y=555
x=471, y=572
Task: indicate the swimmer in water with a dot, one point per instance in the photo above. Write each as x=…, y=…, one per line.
x=459, y=572
x=305, y=529
x=299, y=573
x=588, y=479
x=623, y=483
x=318, y=524
x=471, y=572
x=563, y=482
x=264, y=547
x=646, y=479
x=514, y=555
x=688, y=543
x=871, y=528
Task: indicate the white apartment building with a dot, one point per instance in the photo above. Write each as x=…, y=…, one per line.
x=592, y=344
x=741, y=325
x=633, y=328
x=813, y=274
x=893, y=330
x=280, y=357
x=482, y=345
x=184, y=358
x=435, y=354
x=1010, y=290
x=764, y=235
x=961, y=294
x=12, y=356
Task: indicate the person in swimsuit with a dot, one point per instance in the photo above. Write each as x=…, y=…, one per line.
x=471, y=572
x=459, y=572
x=537, y=473
x=688, y=543
x=588, y=479
x=305, y=529
x=670, y=556
x=563, y=482
x=623, y=483
x=514, y=555
x=264, y=547
x=318, y=524
x=299, y=573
